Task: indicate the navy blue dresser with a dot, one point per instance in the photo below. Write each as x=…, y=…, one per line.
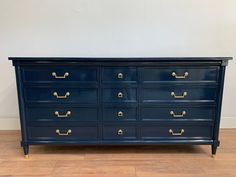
x=120, y=101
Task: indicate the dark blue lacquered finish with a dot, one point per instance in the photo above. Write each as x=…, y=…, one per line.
x=165, y=74
x=119, y=95
x=61, y=113
x=63, y=95
x=164, y=132
x=130, y=101
x=192, y=94
x=119, y=132
x=60, y=73
x=59, y=133
x=119, y=113
x=119, y=74
x=177, y=113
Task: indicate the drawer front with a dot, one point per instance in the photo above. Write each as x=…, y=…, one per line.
x=63, y=133
x=177, y=113
x=120, y=114
x=179, y=74
x=176, y=132
x=178, y=94
x=58, y=73
x=61, y=95
x=119, y=74
x=119, y=95
x=61, y=113
x=119, y=132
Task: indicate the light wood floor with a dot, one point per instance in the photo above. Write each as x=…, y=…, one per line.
x=119, y=161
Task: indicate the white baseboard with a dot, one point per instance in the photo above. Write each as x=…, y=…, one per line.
x=9, y=123
x=14, y=123
x=228, y=122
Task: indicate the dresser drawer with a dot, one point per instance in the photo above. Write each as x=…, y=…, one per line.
x=178, y=94
x=61, y=95
x=119, y=74
x=119, y=95
x=177, y=132
x=177, y=113
x=61, y=113
x=152, y=74
x=120, y=114
x=59, y=73
x=63, y=133
x=119, y=132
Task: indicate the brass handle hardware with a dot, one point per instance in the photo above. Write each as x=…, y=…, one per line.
x=178, y=115
x=180, y=77
x=178, y=96
x=120, y=132
x=64, y=134
x=68, y=113
x=120, y=75
x=176, y=134
x=61, y=97
x=120, y=95
x=60, y=77
x=120, y=114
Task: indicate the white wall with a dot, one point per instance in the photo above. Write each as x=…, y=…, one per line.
x=115, y=28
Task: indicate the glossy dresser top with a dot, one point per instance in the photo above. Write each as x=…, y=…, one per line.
x=120, y=58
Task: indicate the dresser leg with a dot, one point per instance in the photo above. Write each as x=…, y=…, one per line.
x=26, y=151
x=214, y=148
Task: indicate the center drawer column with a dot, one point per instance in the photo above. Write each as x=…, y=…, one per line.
x=119, y=102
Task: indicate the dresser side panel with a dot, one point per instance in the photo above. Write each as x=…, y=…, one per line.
x=21, y=103
x=219, y=105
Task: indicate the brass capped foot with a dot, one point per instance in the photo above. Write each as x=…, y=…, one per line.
x=26, y=156
x=213, y=155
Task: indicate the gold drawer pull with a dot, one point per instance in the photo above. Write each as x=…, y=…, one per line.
x=176, y=134
x=120, y=95
x=120, y=132
x=120, y=75
x=61, y=97
x=178, y=115
x=178, y=96
x=60, y=77
x=179, y=77
x=68, y=113
x=64, y=134
x=120, y=114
